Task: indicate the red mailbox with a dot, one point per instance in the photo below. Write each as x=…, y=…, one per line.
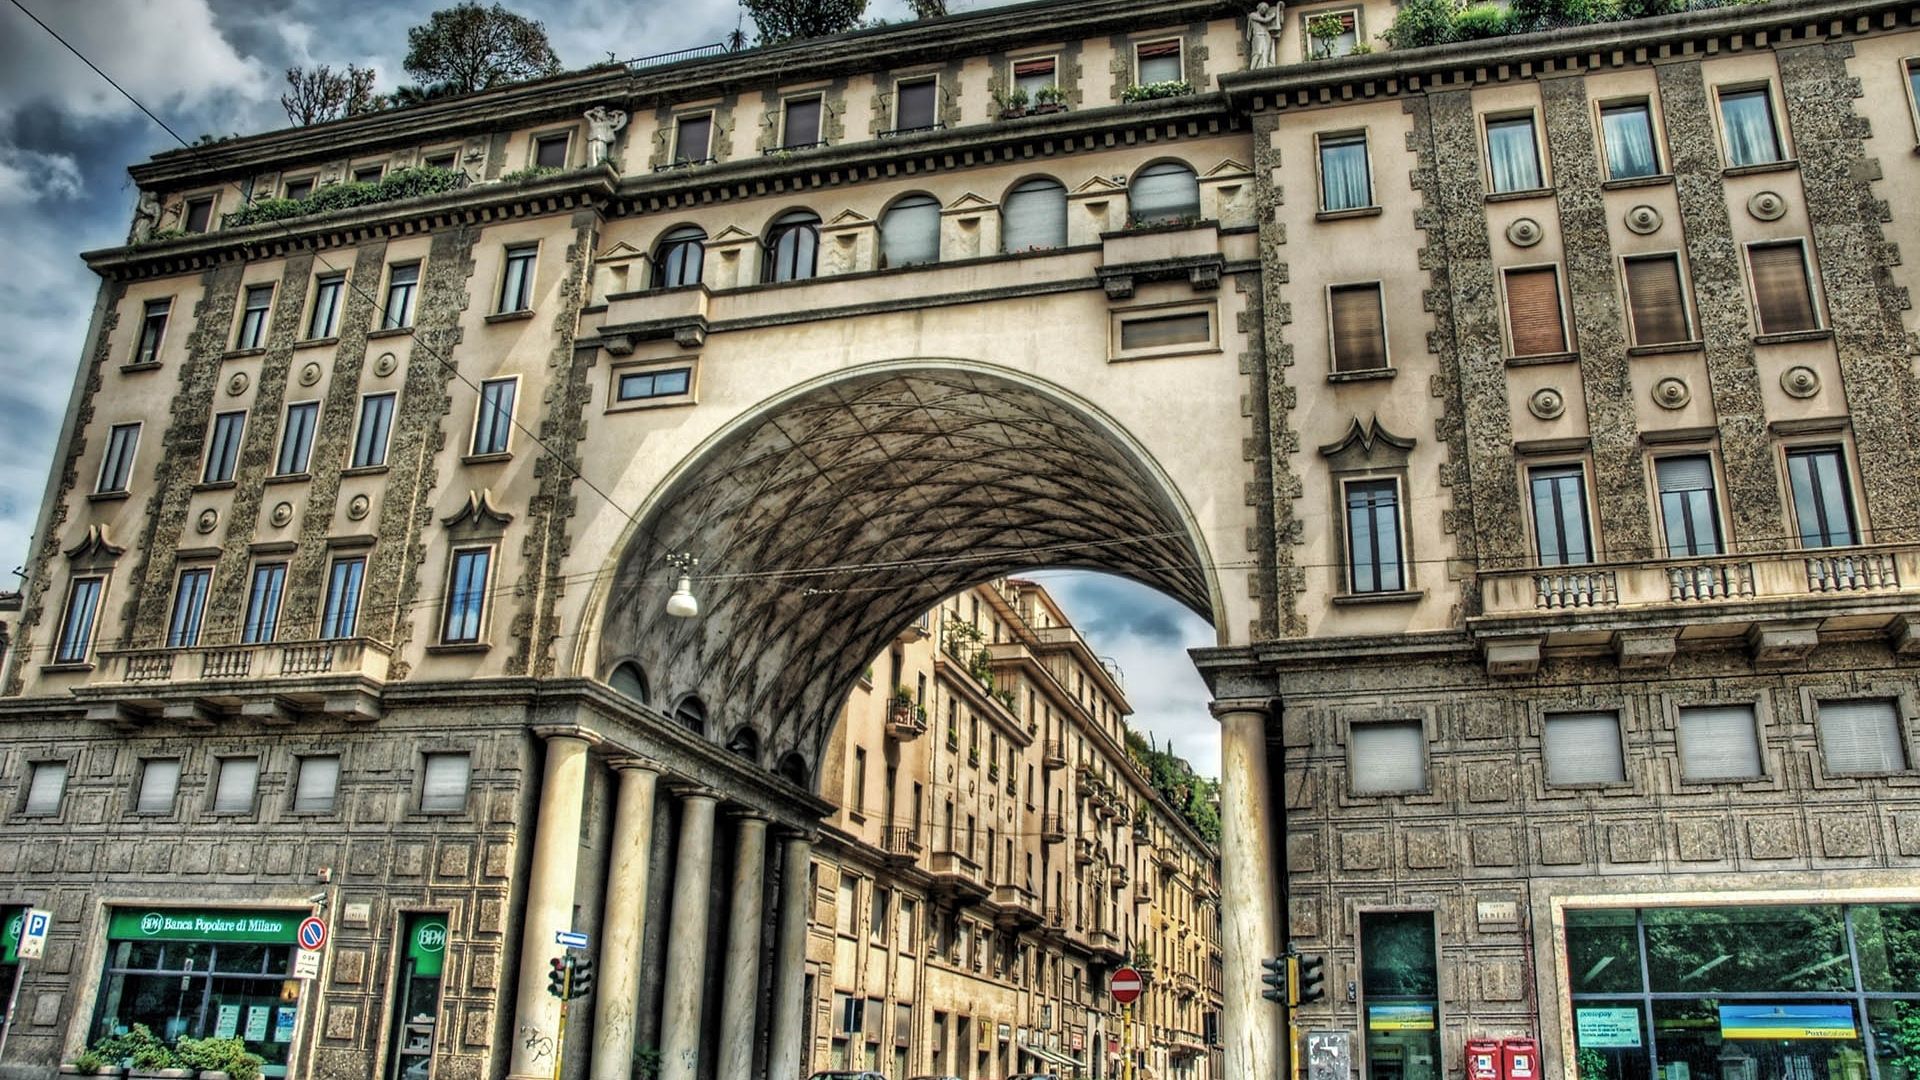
x=1519, y=1059
x=1483, y=1059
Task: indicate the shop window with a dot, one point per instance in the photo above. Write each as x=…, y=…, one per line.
x=1719, y=742
x=443, y=787
x=1400, y=989
x=1861, y=737
x=1388, y=757
x=1583, y=748
x=416, y=998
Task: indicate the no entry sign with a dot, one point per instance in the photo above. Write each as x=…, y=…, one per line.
x=1125, y=986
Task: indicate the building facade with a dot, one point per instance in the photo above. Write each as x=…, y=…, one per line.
x=996, y=854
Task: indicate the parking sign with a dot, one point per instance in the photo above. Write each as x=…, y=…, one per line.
x=33, y=934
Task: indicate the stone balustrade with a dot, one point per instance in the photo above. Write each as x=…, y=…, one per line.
x=1689, y=582
x=270, y=660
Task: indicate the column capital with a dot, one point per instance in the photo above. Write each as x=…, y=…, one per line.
x=748, y=813
x=630, y=762
x=694, y=791
x=790, y=833
x=551, y=732
x=1222, y=706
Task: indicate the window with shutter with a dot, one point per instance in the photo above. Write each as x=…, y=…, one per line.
x=1861, y=737
x=916, y=107
x=1655, y=300
x=315, y=787
x=1782, y=295
x=1389, y=757
x=910, y=232
x=233, y=790
x=803, y=124
x=1359, y=327
x=692, y=140
x=44, y=789
x=1163, y=194
x=1158, y=62
x=443, y=788
x=159, y=779
x=1719, y=742
x=1688, y=507
x=1034, y=216
x=1166, y=331
x=1533, y=312
x=1583, y=748
x=1033, y=75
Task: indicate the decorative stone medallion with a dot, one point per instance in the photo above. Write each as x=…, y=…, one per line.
x=1524, y=232
x=208, y=519
x=384, y=364
x=1767, y=205
x=1643, y=220
x=1672, y=392
x=310, y=374
x=1800, y=381
x=282, y=513
x=358, y=506
x=238, y=384
x=1547, y=403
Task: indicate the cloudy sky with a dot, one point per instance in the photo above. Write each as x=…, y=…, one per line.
x=216, y=67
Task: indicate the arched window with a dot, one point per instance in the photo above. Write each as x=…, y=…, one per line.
x=679, y=258
x=628, y=679
x=1164, y=193
x=793, y=246
x=910, y=232
x=1034, y=216
x=746, y=743
x=793, y=769
x=691, y=714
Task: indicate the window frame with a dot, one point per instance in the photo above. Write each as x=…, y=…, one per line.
x=429, y=154
x=1179, y=58
x=1014, y=62
x=676, y=154
x=306, y=439
x=299, y=770
x=1500, y=116
x=529, y=252
x=1119, y=317
x=1386, y=344
x=1902, y=729
x=62, y=656
x=1776, y=115
x=210, y=200
x=187, y=636
x=783, y=140
x=448, y=611
x=231, y=462
x=352, y=609
x=1661, y=159
x=387, y=322
x=1351, y=744
x=144, y=356
x=243, y=341
x=904, y=201
x=1348, y=135
x=777, y=231
x=1349, y=565
x=1567, y=346
x=1807, y=270
x=923, y=79
x=502, y=423
x=1359, y=29
x=220, y=762
x=1849, y=491
x=140, y=787
x=1567, y=708
x=1720, y=522
x=24, y=809
x=539, y=140
x=121, y=462
x=356, y=170
x=327, y=290
x=618, y=373
x=420, y=792
x=360, y=431
x=1686, y=298
x=288, y=183
x=1530, y=466
x=271, y=630
x=1677, y=708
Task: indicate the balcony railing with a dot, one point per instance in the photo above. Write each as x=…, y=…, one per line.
x=1730, y=580
x=1055, y=754
x=1053, y=828
x=905, y=720
x=902, y=842
x=218, y=663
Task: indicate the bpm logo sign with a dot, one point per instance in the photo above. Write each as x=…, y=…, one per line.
x=152, y=923
x=432, y=938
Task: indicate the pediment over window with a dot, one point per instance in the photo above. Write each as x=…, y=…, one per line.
x=95, y=550
x=1227, y=169
x=1367, y=447
x=619, y=253
x=732, y=234
x=848, y=219
x=478, y=517
x=1101, y=185
x=969, y=202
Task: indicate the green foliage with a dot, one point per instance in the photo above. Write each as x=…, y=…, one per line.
x=1196, y=797
x=1322, y=32
x=1901, y=1042
x=1548, y=14
x=1592, y=1064
x=1150, y=91
x=475, y=48
x=398, y=184
x=1421, y=23
x=229, y=1056
x=1482, y=21
x=791, y=20
x=1050, y=95
x=1360, y=48
x=1013, y=99
x=646, y=1063
x=90, y=1061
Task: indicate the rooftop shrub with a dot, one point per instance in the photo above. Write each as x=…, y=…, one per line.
x=398, y=184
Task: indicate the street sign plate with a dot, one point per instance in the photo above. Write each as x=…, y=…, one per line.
x=313, y=933
x=572, y=939
x=1125, y=986
x=306, y=964
x=33, y=934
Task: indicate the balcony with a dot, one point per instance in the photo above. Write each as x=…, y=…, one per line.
x=906, y=721
x=1143, y=892
x=1016, y=906
x=1053, y=828
x=272, y=681
x=902, y=845
x=956, y=876
x=1186, y=985
x=1054, y=756
x=1118, y=876
x=679, y=314
x=1185, y=1044
x=1055, y=917
x=1106, y=946
x=1083, y=850
x=1167, y=858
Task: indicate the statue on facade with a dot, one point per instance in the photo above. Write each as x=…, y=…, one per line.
x=146, y=216
x=1263, y=33
x=602, y=125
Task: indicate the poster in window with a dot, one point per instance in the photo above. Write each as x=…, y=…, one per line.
x=257, y=1023
x=1400, y=1018
x=283, y=1024
x=1607, y=1029
x=228, y=1023
x=1787, y=1022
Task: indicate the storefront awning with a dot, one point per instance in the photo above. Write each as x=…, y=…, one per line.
x=1053, y=1057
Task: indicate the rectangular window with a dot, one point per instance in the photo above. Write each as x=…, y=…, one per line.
x=296, y=441
x=857, y=797
x=324, y=322
x=402, y=283
x=1861, y=737
x=447, y=160
x=1513, y=155
x=369, y=174
x=76, y=623
x=1746, y=121
x=642, y=385
x=916, y=109
x=550, y=151
x=843, y=912
x=1656, y=304
x=1330, y=33
x=493, y=422
x=516, y=281
x=877, y=921
x=189, y=606
x=341, y=616
x=1822, y=497
x=1534, y=318
x=46, y=784
x=1560, y=515
x=1033, y=75
x=1387, y=758
x=253, y=317
x=370, y=441
x=315, y=787
x=223, y=450
x=199, y=216
x=1688, y=507
x=159, y=780
x=1158, y=62
x=1583, y=748
x=116, y=468
x=1719, y=742
x=802, y=126
x=153, y=329
x=443, y=786
x=299, y=189
x=1627, y=129
x=693, y=138
x=1913, y=90
x=1374, y=563
x=233, y=789
x=1400, y=985
x=466, y=596
x=1358, y=324
x=263, y=602
x=1165, y=331
x=1345, y=180
x=1782, y=292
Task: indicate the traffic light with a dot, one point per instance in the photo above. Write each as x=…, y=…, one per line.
x=1277, y=970
x=582, y=977
x=557, y=978
x=1310, y=980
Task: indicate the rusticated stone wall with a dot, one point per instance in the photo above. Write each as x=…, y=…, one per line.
x=1280, y=615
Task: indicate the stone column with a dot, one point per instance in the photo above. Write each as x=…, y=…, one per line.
x=623, y=921
x=556, y=862
x=1253, y=1030
x=740, y=988
x=786, y=1058
x=687, y=939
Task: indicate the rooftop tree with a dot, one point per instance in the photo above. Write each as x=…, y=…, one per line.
x=468, y=47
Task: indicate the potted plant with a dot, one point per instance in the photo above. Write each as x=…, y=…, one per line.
x=901, y=707
x=1324, y=32
x=1048, y=99
x=91, y=1062
x=143, y=1052
x=1013, y=102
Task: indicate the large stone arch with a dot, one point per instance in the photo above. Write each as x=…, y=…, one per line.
x=830, y=515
